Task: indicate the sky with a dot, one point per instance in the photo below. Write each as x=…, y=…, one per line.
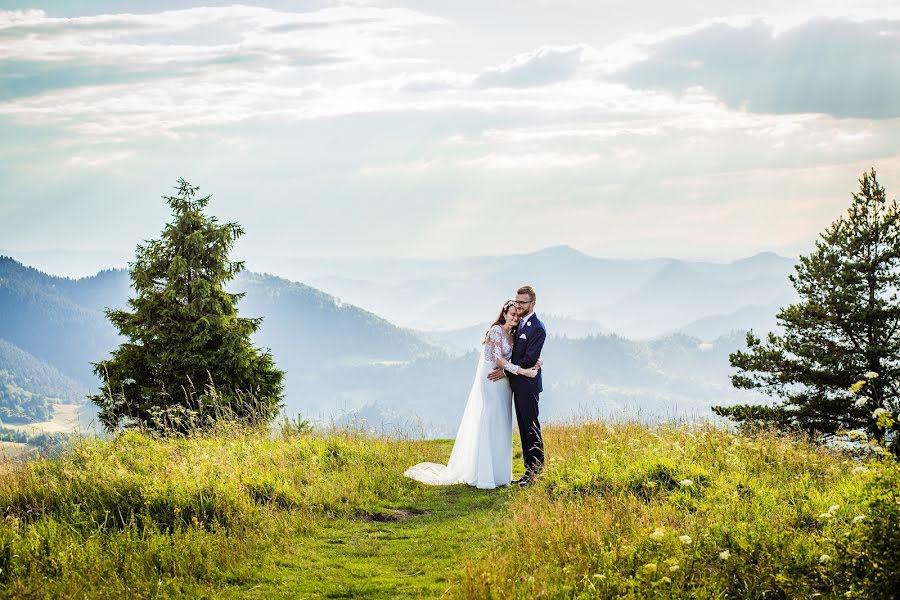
x=695, y=130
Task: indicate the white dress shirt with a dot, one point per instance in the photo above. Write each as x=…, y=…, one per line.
x=524, y=322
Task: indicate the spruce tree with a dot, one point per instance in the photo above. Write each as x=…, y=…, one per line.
x=836, y=367
x=188, y=360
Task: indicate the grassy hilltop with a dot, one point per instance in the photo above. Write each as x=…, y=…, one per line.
x=623, y=510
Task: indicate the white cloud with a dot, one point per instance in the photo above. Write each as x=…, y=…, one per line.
x=99, y=160
x=348, y=33
x=842, y=67
x=531, y=161
x=407, y=168
x=547, y=64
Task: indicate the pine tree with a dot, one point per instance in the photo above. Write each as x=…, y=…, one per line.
x=188, y=360
x=836, y=366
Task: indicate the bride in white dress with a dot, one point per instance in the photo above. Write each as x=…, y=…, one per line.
x=482, y=452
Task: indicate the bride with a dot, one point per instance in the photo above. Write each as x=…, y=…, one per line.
x=482, y=452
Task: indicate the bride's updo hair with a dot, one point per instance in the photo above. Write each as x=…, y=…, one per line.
x=501, y=318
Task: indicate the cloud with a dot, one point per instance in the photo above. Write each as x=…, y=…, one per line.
x=206, y=33
x=100, y=160
x=530, y=161
x=435, y=81
x=23, y=78
x=406, y=168
x=542, y=66
x=545, y=65
x=839, y=67
x=126, y=71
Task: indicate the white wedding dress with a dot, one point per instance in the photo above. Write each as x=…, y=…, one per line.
x=482, y=452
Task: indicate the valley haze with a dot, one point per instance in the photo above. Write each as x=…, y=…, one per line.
x=392, y=344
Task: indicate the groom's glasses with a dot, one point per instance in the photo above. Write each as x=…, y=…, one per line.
x=520, y=303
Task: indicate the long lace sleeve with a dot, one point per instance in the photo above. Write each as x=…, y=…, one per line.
x=496, y=352
x=493, y=344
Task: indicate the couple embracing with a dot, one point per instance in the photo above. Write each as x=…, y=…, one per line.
x=508, y=372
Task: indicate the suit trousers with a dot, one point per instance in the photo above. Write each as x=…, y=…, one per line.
x=526, y=399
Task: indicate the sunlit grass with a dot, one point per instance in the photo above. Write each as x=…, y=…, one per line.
x=676, y=512
x=140, y=515
x=620, y=511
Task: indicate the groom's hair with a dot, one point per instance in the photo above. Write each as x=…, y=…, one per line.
x=527, y=289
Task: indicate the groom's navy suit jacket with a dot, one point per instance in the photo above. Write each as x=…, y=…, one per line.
x=526, y=351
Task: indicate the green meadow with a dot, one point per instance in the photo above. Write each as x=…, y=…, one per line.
x=622, y=510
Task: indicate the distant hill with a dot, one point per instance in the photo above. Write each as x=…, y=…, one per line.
x=317, y=340
x=761, y=319
x=29, y=387
x=635, y=298
x=682, y=292
x=313, y=326
x=62, y=322
x=469, y=338
x=46, y=317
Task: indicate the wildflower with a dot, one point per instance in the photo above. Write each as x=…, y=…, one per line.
x=826, y=515
x=860, y=402
x=857, y=434
x=871, y=375
x=649, y=567
x=858, y=518
x=687, y=482
x=674, y=568
x=860, y=470
x=685, y=539
x=883, y=418
x=833, y=508
x=857, y=386
x=824, y=559
x=657, y=534
x=724, y=554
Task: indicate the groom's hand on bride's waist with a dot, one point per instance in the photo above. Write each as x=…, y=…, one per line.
x=497, y=374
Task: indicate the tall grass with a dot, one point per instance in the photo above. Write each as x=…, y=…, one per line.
x=676, y=512
x=620, y=511
x=140, y=516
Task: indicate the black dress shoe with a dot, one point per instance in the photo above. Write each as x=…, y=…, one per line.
x=524, y=481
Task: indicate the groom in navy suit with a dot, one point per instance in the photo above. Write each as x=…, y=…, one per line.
x=529, y=342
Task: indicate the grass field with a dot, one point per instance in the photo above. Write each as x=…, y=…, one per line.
x=621, y=511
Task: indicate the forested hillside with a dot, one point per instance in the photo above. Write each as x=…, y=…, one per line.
x=44, y=316
x=29, y=387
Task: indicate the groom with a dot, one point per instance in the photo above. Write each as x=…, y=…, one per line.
x=527, y=347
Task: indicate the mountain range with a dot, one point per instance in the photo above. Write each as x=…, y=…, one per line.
x=635, y=298
x=345, y=363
